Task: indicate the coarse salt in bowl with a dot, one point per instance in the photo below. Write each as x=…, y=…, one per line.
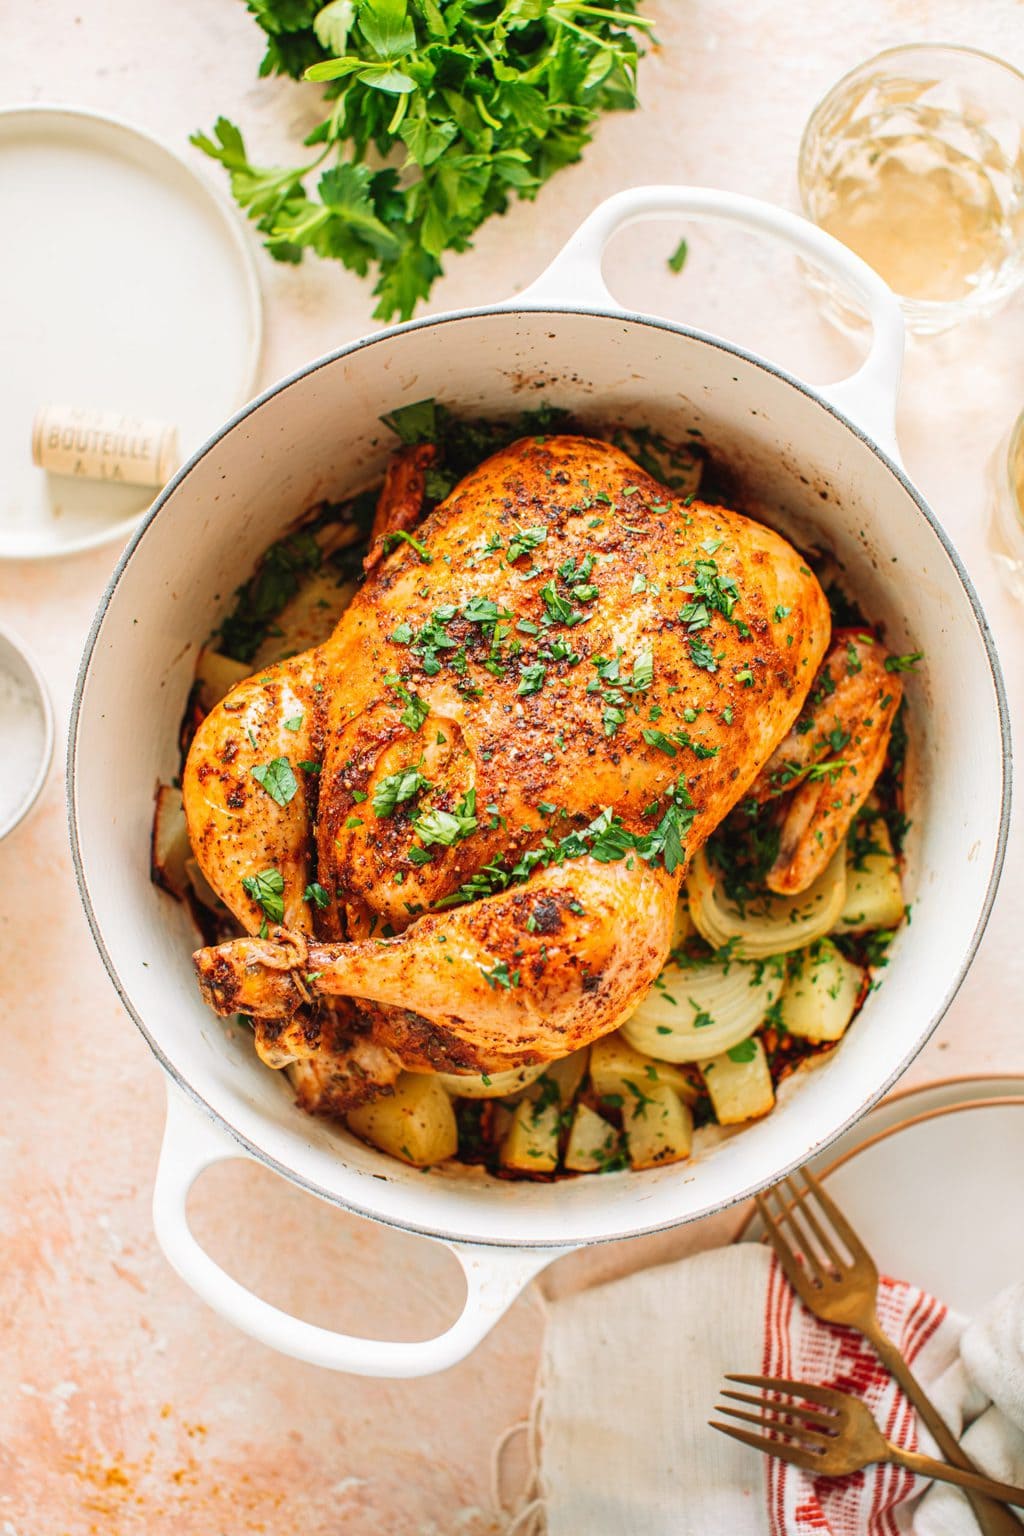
x=26, y=732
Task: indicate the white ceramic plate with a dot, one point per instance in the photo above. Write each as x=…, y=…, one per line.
x=125, y=283
x=929, y=1181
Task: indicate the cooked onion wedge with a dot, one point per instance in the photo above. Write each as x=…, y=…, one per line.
x=490, y=1085
x=700, y=1010
x=769, y=925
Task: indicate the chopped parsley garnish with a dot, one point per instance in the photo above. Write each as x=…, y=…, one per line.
x=396, y=788
x=315, y=893
x=745, y=1051
x=483, y=610
x=500, y=976
x=448, y=827
x=702, y=655
x=277, y=778
x=643, y=671
x=294, y=724
x=709, y=585
x=558, y=609
x=531, y=678
x=525, y=539
x=605, y=839
x=669, y=744
x=267, y=890
x=903, y=663
x=677, y=261
x=433, y=637
x=782, y=612
x=400, y=536
x=416, y=709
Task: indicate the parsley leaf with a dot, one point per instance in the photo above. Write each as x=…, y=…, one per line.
x=500, y=976
x=525, y=539
x=531, y=678
x=677, y=261
x=702, y=655
x=400, y=536
x=461, y=110
x=277, y=778
x=267, y=890
x=903, y=663
x=448, y=827
x=416, y=709
x=745, y=1051
x=396, y=788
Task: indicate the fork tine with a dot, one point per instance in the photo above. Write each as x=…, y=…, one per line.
x=854, y=1246
x=826, y=1395
x=812, y=1415
x=813, y=1268
x=798, y=1455
x=786, y=1428
x=807, y=1211
x=780, y=1244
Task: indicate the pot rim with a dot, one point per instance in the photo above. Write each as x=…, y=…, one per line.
x=512, y=310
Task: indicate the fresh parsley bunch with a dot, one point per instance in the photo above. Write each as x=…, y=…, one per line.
x=438, y=112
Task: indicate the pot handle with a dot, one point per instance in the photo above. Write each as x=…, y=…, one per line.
x=867, y=397
x=494, y=1276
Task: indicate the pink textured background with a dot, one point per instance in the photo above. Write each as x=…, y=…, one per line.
x=125, y=1406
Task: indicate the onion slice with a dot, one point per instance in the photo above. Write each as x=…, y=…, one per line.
x=768, y=924
x=703, y=1009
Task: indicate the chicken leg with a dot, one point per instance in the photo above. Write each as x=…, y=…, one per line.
x=524, y=976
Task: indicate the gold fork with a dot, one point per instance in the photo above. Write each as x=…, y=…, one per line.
x=842, y=1287
x=836, y=1436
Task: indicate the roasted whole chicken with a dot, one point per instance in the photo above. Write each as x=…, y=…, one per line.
x=455, y=832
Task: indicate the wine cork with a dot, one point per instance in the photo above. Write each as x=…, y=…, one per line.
x=104, y=445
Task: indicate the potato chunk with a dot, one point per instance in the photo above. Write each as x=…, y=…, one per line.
x=823, y=991
x=659, y=1126
x=739, y=1083
x=416, y=1123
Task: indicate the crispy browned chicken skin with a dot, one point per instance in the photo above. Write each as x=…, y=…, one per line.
x=571, y=644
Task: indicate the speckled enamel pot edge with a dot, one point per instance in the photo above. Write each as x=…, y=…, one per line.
x=411, y=1214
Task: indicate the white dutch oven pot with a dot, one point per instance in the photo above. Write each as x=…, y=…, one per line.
x=822, y=463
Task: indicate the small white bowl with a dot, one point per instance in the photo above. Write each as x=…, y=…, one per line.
x=17, y=662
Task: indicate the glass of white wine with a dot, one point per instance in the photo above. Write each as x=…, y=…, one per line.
x=915, y=160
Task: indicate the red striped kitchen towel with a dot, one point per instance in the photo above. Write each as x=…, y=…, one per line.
x=630, y=1376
